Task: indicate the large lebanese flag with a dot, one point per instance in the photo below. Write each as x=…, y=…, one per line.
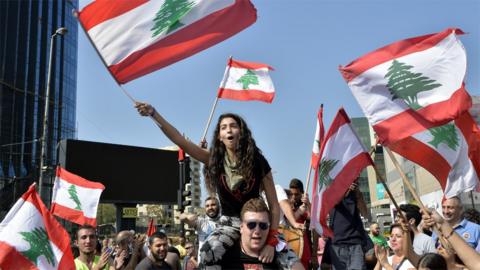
x=451, y=153
x=136, y=37
x=411, y=85
x=75, y=198
x=31, y=238
x=247, y=81
x=319, y=137
x=342, y=158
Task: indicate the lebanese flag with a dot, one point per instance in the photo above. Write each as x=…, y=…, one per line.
x=319, y=136
x=31, y=237
x=151, y=228
x=411, y=85
x=136, y=37
x=451, y=153
x=342, y=158
x=247, y=81
x=75, y=198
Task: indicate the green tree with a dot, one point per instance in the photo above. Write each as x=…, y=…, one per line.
x=72, y=190
x=168, y=17
x=326, y=165
x=39, y=245
x=249, y=78
x=446, y=134
x=404, y=84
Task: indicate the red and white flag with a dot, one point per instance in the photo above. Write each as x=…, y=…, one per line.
x=247, y=81
x=75, y=198
x=136, y=37
x=319, y=136
x=450, y=152
x=151, y=228
x=342, y=158
x=31, y=237
x=411, y=85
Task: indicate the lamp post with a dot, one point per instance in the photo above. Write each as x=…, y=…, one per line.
x=60, y=31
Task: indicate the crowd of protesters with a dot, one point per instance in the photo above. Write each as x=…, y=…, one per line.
x=251, y=223
x=412, y=244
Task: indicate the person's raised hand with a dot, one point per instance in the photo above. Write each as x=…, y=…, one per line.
x=144, y=108
x=103, y=259
x=267, y=253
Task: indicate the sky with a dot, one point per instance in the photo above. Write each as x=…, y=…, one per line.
x=304, y=40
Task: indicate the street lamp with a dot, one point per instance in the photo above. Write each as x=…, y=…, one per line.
x=60, y=31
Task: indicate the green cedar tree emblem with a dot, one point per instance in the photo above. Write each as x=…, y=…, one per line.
x=249, y=78
x=168, y=17
x=446, y=134
x=326, y=165
x=39, y=245
x=404, y=84
x=72, y=190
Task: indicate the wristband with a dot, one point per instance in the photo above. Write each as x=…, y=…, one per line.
x=272, y=239
x=153, y=112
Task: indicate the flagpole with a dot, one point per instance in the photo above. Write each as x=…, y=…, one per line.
x=407, y=183
x=222, y=85
x=308, y=179
x=209, y=119
x=382, y=180
x=319, y=146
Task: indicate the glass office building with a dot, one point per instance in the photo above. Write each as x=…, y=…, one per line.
x=26, y=28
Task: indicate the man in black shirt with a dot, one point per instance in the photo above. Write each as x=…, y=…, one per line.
x=158, y=246
x=254, y=229
x=350, y=240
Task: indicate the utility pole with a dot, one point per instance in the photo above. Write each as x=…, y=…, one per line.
x=43, y=155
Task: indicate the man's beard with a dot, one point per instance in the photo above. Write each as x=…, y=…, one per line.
x=212, y=214
x=158, y=258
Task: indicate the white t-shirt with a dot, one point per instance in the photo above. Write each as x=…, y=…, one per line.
x=281, y=195
x=423, y=243
x=405, y=265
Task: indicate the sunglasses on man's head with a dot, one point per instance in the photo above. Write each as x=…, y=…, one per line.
x=252, y=225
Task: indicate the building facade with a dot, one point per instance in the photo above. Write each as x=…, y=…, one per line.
x=27, y=27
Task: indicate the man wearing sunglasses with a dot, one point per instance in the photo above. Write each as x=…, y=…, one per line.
x=254, y=230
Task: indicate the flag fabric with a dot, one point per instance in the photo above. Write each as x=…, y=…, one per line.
x=136, y=37
x=450, y=152
x=411, y=85
x=247, y=81
x=342, y=158
x=75, y=198
x=151, y=228
x=319, y=136
x=31, y=238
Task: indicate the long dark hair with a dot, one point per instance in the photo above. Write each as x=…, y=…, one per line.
x=246, y=152
x=432, y=261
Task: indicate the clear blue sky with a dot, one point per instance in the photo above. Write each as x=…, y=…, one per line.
x=304, y=40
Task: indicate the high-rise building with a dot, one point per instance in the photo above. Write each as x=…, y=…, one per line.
x=27, y=27
x=362, y=128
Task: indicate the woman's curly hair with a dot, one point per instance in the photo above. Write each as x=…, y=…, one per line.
x=246, y=152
